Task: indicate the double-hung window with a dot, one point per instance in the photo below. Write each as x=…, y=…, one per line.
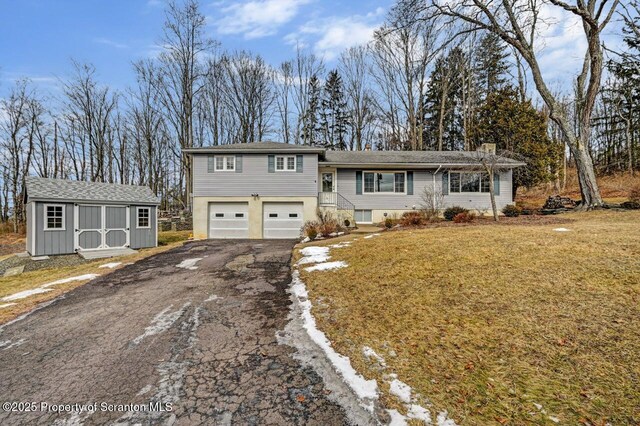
x=468, y=182
x=53, y=217
x=384, y=182
x=225, y=163
x=144, y=217
x=286, y=164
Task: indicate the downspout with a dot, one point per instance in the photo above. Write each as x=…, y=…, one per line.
x=434, y=185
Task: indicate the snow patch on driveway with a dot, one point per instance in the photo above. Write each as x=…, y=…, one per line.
x=327, y=266
x=561, y=229
x=160, y=323
x=189, y=264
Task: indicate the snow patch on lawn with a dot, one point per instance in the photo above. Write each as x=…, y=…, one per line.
x=561, y=229
x=84, y=277
x=24, y=294
x=314, y=254
x=110, y=265
x=372, y=235
x=160, y=323
x=401, y=390
x=366, y=390
x=444, y=420
x=341, y=245
x=6, y=305
x=419, y=413
x=327, y=266
x=396, y=418
x=369, y=353
x=189, y=264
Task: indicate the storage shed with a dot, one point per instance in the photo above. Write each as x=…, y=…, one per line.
x=65, y=217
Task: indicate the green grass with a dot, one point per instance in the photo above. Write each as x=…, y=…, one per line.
x=486, y=321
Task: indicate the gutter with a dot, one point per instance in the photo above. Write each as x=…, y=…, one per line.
x=433, y=176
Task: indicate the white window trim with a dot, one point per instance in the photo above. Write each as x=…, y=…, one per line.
x=394, y=182
x=224, y=163
x=468, y=192
x=64, y=217
x=138, y=218
x=284, y=163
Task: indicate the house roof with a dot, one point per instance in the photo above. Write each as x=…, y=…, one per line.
x=43, y=189
x=425, y=159
x=257, y=148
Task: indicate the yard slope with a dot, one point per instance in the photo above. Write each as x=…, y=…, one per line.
x=497, y=325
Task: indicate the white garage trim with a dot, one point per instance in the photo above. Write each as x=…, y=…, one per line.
x=228, y=220
x=282, y=220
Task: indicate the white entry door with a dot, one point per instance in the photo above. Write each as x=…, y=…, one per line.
x=282, y=220
x=228, y=220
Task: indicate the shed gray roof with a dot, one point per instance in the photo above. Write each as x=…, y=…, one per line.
x=43, y=189
x=417, y=158
x=257, y=147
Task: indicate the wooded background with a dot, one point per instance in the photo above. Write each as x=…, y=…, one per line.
x=437, y=76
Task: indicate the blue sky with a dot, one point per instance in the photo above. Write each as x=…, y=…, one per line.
x=38, y=38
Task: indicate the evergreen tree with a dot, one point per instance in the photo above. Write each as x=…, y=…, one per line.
x=491, y=64
x=443, y=101
x=311, y=124
x=518, y=128
x=334, y=116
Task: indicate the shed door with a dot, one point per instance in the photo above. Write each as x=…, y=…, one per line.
x=116, y=228
x=228, y=220
x=89, y=227
x=282, y=220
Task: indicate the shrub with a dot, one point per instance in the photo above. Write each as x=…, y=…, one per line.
x=634, y=194
x=512, y=210
x=327, y=223
x=388, y=223
x=451, y=212
x=414, y=218
x=311, y=229
x=464, y=217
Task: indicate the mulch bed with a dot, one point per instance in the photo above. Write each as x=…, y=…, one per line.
x=527, y=220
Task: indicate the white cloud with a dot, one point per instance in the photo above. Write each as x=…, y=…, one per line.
x=258, y=18
x=111, y=43
x=333, y=34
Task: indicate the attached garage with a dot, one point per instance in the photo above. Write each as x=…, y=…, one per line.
x=228, y=220
x=65, y=217
x=282, y=220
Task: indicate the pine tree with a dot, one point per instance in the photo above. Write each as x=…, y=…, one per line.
x=311, y=123
x=491, y=65
x=443, y=129
x=334, y=117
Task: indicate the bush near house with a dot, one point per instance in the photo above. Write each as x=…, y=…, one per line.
x=415, y=218
x=451, y=212
x=464, y=217
x=512, y=210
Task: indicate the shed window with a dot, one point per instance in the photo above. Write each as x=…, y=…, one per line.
x=143, y=217
x=54, y=217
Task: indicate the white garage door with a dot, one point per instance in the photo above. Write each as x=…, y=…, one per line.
x=282, y=220
x=228, y=220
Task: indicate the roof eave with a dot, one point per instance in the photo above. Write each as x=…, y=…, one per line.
x=252, y=151
x=414, y=165
x=86, y=201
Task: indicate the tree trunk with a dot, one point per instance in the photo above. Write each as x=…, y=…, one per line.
x=586, y=177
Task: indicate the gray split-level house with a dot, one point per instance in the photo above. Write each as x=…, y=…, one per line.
x=65, y=217
x=269, y=189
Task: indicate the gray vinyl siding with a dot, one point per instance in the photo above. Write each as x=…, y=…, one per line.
x=255, y=178
x=421, y=179
x=143, y=237
x=29, y=208
x=53, y=242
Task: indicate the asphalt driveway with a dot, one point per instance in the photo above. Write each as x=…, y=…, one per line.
x=199, y=342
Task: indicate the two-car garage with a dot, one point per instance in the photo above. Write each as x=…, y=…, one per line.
x=278, y=220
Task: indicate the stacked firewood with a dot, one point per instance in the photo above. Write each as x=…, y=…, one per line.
x=558, y=204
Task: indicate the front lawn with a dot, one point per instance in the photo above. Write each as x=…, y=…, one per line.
x=496, y=324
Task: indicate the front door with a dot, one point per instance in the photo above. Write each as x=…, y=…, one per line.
x=102, y=227
x=116, y=229
x=327, y=182
x=89, y=227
